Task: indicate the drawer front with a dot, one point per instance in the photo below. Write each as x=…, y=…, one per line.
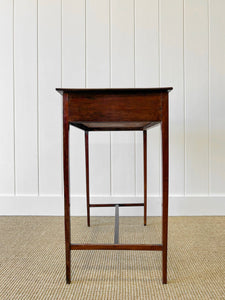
x=115, y=108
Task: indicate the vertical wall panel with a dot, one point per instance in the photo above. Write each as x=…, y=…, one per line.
x=146, y=43
x=117, y=43
x=73, y=76
x=122, y=72
x=25, y=45
x=6, y=99
x=98, y=75
x=97, y=43
x=172, y=75
x=99, y=161
x=196, y=95
x=147, y=75
x=217, y=96
x=122, y=43
x=73, y=43
x=50, y=102
x=123, y=169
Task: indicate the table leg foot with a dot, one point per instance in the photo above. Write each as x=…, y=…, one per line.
x=68, y=281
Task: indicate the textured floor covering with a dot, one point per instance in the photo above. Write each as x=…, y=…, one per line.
x=32, y=259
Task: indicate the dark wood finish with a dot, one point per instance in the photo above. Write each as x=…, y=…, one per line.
x=138, y=247
x=87, y=177
x=145, y=174
x=116, y=109
x=165, y=181
x=116, y=233
x=66, y=185
x=109, y=91
x=113, y=204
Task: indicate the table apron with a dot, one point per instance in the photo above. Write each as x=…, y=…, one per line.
x=109, y=108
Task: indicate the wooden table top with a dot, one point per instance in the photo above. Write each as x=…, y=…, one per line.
x=113, y=90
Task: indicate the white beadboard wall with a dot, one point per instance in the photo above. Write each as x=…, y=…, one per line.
x=111, y=43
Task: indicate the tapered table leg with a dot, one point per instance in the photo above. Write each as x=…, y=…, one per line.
x=66, y=186
x=145, y=174
x=87, y=176
x=165, y=179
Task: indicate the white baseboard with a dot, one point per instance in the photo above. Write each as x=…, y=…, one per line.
x=53, y=205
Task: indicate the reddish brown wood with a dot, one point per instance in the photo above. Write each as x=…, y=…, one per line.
x=111, y=109
x=66, y=185
x=165, y=179
x=87, y=177
x=114, y=108
x=145, y=174
x=143, y=247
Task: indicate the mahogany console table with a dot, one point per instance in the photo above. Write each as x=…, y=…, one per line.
x=108, y=110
